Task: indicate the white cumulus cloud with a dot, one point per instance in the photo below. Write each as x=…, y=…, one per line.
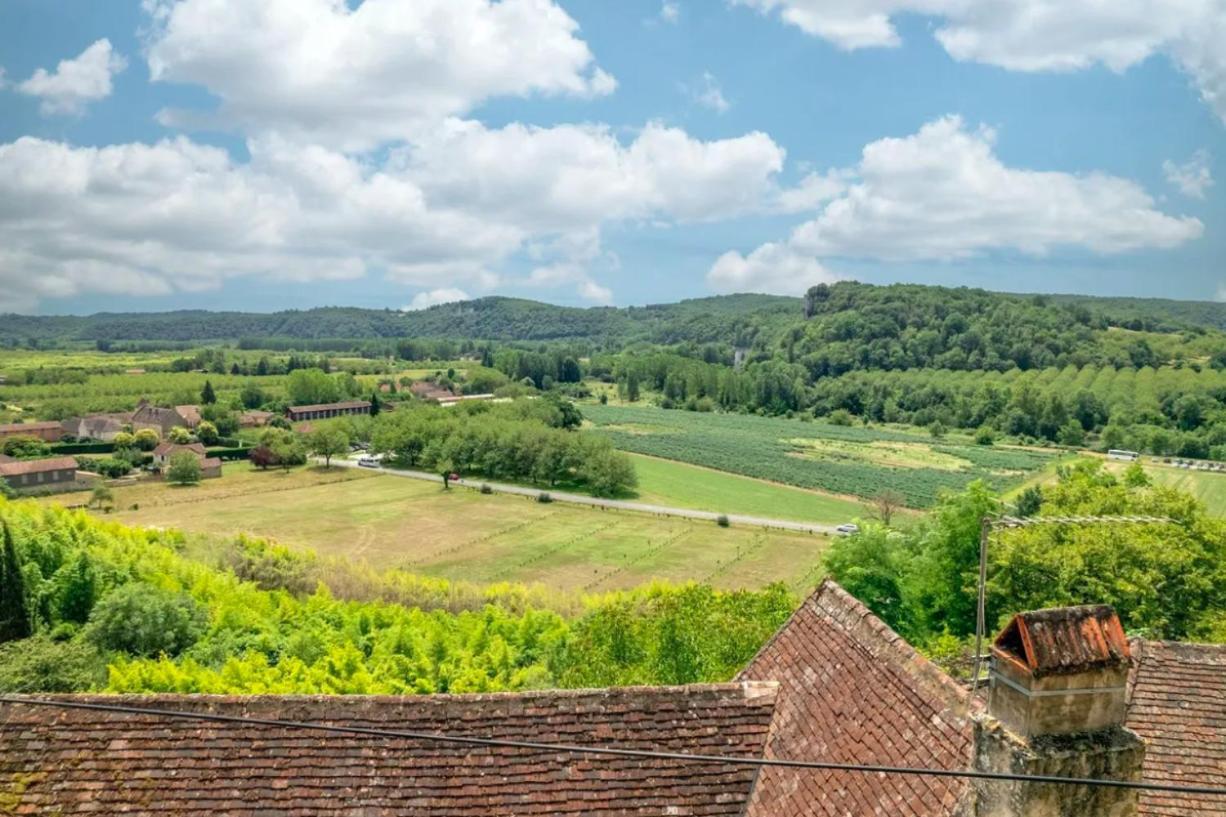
x=434, y=297
x=1037, y=35
x=443, y=213
x=1192, y=177
x=943, y=194
x=322, y=71
x=76, y=82
x=774, y=268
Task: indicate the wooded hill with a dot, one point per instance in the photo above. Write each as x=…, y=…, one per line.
x=738, y=320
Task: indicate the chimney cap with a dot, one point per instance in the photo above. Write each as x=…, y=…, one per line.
x=1064, y=640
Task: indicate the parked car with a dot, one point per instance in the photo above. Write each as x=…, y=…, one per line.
x=847, y=529
x=453, y=476
x=369, y=462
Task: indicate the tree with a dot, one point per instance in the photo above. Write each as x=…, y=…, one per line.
x=102, y=497
x=985, y=436
x=375, y=404
x=146, y=439
x=207, y=396
x=311, y=386
x=207, y=433
x=261, y=457
x=6, y=490
x=143, y=619
x=42, y=664
x=14, y=614
x=25, y=448
x=886, y=503
x=183, y=469
x=124, y=440
x=936, y=429
x=328, y=441
x=1028, y=502
x=252, y=396
x=179, y=435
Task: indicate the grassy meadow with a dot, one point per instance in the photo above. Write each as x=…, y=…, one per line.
x=389, y=521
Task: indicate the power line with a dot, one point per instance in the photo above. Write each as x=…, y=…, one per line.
x=645, y=754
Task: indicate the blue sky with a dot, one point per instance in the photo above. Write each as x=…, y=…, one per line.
x=227, y=154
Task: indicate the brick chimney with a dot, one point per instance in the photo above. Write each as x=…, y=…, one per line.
x=1056, y=706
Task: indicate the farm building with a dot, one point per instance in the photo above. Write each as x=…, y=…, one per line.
x=425, y=390
x=835, y=684
x=102, y=427
x=27, y=474
x=49, y=431
x=190, y=415
x=210, y=467
x=161, y=420
x=323, y=411
x=254, y=419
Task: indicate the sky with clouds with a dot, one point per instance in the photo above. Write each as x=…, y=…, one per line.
x=235, y=154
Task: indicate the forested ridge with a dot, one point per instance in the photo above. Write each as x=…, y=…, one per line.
x=991, y=328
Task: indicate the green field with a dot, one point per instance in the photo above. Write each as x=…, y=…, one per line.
x=847, y=460
x=667, y=482
x=389, y=521
x=1209, y=488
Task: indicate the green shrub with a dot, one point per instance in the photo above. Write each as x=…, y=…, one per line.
x=45, y=664
x=486, y=489
x=544, y=496
x=142, y=619
x=722, y=520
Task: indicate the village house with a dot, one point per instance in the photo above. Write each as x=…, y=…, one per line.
x=161, y=420
x=190, y=415
x=210, y=467
x=323, y=411
x=1069, y=695
x=254, y=419
x=48, y=431
x=24, y=475
x=102, y=427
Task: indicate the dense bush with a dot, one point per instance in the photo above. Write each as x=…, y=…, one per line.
x=1167, y=580
x=142, y=619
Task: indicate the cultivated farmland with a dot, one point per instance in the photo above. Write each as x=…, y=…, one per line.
x=854, y=461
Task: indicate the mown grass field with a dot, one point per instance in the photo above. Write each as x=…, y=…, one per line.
x=1208, y=487
x=845, y=460
x=389, y=521
x=667, y=482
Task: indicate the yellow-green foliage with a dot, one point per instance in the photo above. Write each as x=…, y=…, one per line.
x=269, y=639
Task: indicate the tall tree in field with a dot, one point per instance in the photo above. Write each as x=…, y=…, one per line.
x=14, y=615
x=207, y=395
x=375, y=405
x=328, y=442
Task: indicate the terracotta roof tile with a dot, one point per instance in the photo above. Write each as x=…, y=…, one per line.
x=16, y=468
x=76, y=762
x=853, y=691
x=1178, y=704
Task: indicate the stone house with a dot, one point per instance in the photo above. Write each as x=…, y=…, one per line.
x=30, y=474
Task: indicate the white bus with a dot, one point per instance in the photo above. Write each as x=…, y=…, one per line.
x=1121, y=454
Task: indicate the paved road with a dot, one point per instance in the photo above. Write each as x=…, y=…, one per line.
x=617, y=504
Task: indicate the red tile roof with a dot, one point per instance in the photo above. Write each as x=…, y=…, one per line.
x=16, y=429
x=77, y=761
x=1063, y=640
x=1178, y=704
x=853, y=691
x=167, y=449
x=18, y=468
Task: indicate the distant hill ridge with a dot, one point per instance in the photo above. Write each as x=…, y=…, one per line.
x=734, y=319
